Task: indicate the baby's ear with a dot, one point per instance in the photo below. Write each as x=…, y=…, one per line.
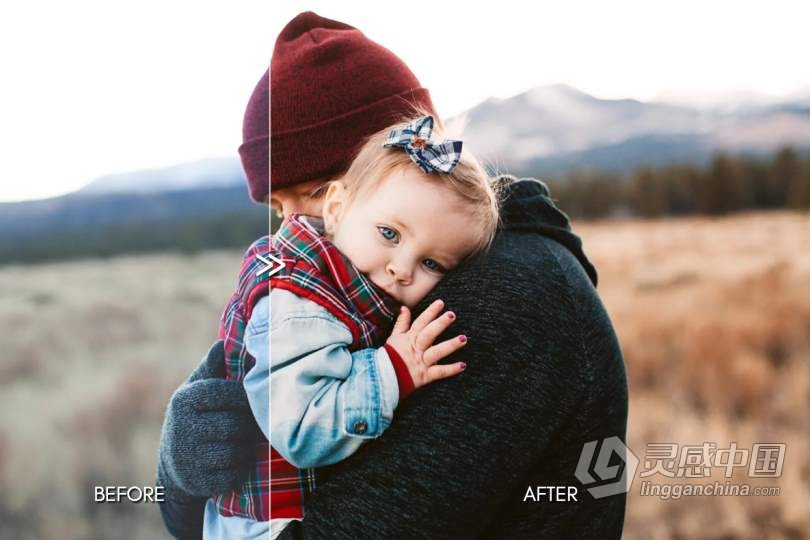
x=334, y=202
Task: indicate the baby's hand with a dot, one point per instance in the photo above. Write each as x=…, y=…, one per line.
x=414, y=343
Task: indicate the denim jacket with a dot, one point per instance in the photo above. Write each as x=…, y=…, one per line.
x=326, y=401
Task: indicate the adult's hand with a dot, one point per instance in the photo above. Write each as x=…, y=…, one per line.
x=209, y=433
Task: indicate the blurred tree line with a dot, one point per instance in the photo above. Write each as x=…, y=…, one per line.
x=726, y=184
x=189, y=235
x=227, y=220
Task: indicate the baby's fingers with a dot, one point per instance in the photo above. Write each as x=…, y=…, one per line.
x=429, y=333
x=442, y=371
x=403, y=321
x=443, y=349
x=424, y=318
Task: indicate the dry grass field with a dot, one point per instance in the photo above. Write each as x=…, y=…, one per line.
x=713, y=316
x=92, y=350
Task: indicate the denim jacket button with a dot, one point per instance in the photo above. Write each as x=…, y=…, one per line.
x=360, y=427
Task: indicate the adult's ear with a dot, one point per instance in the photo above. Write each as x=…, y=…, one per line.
x=334, y=202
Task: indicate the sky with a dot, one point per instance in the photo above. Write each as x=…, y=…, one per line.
x=92, y=88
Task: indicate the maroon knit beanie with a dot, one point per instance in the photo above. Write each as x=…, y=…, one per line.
x=331, y=87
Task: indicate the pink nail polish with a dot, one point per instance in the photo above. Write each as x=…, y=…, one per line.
x=462, y=338
x=463, y=366
x=451, y=315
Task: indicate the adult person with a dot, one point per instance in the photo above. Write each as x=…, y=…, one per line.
x=545, y=374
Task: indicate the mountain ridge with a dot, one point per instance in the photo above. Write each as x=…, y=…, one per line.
x=540, y=129
x=546, y=132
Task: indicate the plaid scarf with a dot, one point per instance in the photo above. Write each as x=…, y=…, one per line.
x=314, y=269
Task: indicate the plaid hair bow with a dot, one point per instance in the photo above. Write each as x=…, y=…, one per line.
x=430, y=156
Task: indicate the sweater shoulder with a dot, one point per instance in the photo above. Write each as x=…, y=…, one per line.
x=532, y=289
x=533, y=266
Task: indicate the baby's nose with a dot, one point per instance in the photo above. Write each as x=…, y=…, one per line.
x=401, y=273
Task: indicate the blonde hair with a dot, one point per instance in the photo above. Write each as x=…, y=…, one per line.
x=468, y=180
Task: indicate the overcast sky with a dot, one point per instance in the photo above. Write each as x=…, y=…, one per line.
x=93, y=88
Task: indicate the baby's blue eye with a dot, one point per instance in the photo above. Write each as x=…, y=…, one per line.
x=432, y=265
x=388, y=233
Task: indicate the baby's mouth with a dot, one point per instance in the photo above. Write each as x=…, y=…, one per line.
x=390, y=293
x=388, y=289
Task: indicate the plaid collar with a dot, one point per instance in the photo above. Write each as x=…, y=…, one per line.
x=331, y=272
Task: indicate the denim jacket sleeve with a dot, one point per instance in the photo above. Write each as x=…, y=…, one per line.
x=325, y=400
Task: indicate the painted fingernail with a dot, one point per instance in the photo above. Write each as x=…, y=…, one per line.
x=451, y=315
x=462, y=338
x=463, y=366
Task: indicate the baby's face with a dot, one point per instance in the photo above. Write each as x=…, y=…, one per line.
x=405, y=235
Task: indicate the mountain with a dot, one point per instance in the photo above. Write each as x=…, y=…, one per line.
x=91, y=225
x=549, y=130
x=79, y=211
x=555, y=129
x=206, y=173
x=190, y=206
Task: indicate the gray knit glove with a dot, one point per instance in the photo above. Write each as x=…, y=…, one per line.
x=209, y=433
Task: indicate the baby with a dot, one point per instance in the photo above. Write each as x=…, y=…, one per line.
x=409, y=210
